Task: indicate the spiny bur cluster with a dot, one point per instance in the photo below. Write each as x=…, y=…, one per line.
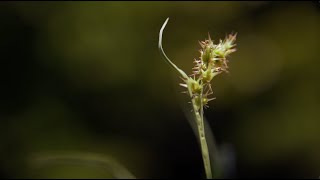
x=212, y=61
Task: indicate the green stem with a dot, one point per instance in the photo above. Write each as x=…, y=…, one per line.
x=202, y=136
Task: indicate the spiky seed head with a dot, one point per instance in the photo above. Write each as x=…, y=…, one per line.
x=194, y=86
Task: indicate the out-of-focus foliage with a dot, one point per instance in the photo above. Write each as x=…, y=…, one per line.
x=88, y=77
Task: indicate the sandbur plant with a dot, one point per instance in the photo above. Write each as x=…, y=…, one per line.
x=212, y=61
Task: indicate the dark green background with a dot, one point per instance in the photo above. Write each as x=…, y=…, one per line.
x=87, y=77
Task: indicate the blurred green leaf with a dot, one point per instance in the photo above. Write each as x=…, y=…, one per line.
x=78, y=165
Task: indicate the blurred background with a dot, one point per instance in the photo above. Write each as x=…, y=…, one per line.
x=87, y=78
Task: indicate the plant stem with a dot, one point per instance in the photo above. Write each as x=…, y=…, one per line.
x=202, y=136
x=198, y=112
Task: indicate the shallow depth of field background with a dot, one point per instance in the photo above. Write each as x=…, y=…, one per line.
x=87, y=77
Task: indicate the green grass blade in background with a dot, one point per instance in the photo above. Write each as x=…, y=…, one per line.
x=78, y=165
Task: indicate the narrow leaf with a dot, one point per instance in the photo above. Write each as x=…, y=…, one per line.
x=182, y=73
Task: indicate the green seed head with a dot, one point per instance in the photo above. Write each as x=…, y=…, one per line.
x=206, y=55
x=194, y=86
x=205, y=101
x=207, y=75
